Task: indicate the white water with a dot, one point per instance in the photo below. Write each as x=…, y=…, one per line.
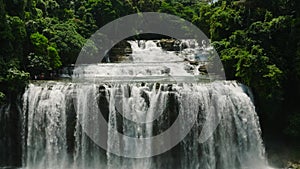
x=55, y=114
x=235, y=144
x=150, y=63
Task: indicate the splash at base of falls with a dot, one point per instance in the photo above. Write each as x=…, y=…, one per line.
x=55, y=114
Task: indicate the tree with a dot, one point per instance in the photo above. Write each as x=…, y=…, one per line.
x=103, y=11
x=54, y=58
x=40, y=43
x=67, y=40
x=44, y=57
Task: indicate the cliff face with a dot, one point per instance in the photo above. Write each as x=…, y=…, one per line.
x=10, y=135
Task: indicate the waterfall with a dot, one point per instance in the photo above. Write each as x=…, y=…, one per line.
x=51, y=110
x=159, y=90
x=46, y=126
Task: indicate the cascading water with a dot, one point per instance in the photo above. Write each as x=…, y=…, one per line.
x=57, y=114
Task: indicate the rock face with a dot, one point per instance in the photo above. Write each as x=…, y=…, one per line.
x=170, y=44
x=294, y=165
x=10, y=134
x=120, y=52
x=202, y=69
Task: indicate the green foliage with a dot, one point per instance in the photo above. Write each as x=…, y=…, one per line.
x=103, y=11
x=167, y=8
x=259, y=48
x=68, y=41
x=253, y=68
x=54, y=58
x=18, y=28
x=223, y=21
x=16, y=8
x=16, y=79
x=12, y=36
x=44, y=56
x=37, y=64
x=40, y=43
x=12, y=79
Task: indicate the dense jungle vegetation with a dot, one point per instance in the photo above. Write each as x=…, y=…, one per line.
x=257, y=40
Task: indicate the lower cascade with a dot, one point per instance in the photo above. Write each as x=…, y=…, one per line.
x=57, y=116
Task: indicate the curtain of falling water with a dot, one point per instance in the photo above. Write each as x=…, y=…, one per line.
x=45, y=120
x=56, y=112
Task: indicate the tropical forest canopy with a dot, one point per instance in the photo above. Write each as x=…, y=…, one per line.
x=257, y=40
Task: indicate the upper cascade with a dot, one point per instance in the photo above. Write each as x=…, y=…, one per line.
x=150, y=60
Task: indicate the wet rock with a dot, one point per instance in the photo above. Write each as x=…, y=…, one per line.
x=184, y=45
x=194, y=63
x=191, y=62
x=146, y=98
x=166, y=70
x=293, y=165
x=102, y=90
x=157, y=85
x=120, y=52
x=189, y=68
x=169, y=44
x=170, y=87
x=202, y=69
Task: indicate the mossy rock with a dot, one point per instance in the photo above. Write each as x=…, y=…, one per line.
x=294, y=165
x=120, y=52
x=169, y=45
